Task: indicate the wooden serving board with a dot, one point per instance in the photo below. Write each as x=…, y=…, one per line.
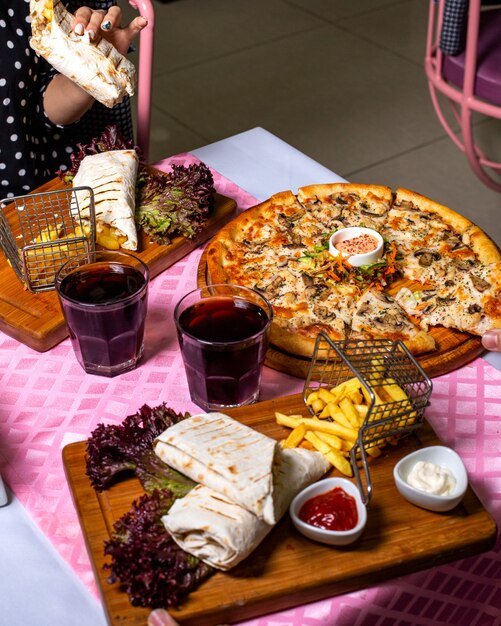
x=287, y=569
x=454, y=348
x=36, y=319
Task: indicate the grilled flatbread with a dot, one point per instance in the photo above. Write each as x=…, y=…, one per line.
x=96, y=66
x=221, y=533
x=226, y=456
x=112, y=177
x=211, y=527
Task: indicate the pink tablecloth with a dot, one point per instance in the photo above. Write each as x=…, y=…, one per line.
x=47, y=402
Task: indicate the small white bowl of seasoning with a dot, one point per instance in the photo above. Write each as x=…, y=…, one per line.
x=433, y=478
x=360, y=246
x=330, y=511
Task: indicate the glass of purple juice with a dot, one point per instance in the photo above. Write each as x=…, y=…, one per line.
x=104, y=298
x=223, y=335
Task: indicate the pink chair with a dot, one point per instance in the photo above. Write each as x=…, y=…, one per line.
x=145, y=71
x=471, y=80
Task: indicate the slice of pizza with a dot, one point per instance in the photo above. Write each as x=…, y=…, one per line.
x=433, y=242
x=469, y=301
x=454, y=260
x=348, y=204
x=379, y=316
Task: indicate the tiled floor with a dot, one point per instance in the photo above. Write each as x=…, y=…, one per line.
x=341, y=80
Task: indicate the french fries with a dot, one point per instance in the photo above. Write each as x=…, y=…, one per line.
x=106, y=235
x=295, y=437
x=339, y=413
x=334, y=456
x=43, y=262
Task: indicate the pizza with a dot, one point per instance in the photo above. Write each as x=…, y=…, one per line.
x=437, y=267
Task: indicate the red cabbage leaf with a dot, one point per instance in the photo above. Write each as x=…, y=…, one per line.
x=150, y=566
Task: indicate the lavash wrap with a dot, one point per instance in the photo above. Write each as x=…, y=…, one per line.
x=210, y=525
x=225, y=455
x=112, y=177
x=95, y=66
x=221, y=533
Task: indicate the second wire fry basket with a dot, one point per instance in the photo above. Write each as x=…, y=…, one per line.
x=41, y=231
x=376, y=364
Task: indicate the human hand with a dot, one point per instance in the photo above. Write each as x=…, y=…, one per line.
x=160, y=617
x=107, y=24
x=492, y=340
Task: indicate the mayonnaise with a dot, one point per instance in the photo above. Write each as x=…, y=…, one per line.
x=431, y=478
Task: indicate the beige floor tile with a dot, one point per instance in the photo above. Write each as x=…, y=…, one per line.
x=400, y=27
x=441, y=172
x=327, y=92
x=169, y=137
x=193, y=31
x=335, y=9
x=487, y=135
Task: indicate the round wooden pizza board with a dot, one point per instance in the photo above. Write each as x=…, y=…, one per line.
x=455, y=349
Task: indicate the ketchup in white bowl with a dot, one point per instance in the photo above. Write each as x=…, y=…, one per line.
x=330, y=511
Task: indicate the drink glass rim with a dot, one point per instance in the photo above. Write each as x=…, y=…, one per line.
x=268, y=312
x=97, y=305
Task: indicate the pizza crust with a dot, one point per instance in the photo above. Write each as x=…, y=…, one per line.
x=324, y=193
x=297, y=343
x=472, y=235
x=483, y=246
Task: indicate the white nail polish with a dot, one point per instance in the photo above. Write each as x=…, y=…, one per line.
x=79, y=29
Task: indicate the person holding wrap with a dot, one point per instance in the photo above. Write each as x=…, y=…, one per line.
x=45, y=115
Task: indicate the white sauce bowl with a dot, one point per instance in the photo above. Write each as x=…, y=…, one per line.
x=351, y=233
x=440, y=455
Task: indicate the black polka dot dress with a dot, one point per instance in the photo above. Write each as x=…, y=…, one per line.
x=32, y=149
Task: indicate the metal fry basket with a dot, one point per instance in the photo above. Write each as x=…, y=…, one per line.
x=41, y=231
x=377, y=364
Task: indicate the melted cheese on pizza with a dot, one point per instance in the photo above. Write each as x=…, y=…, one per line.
x=279, y=248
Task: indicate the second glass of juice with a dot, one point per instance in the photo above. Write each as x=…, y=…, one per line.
x=223, y=335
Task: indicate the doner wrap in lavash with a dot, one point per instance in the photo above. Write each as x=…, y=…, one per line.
x=247, y=483
x=112, y=177
x=225, y=455
x=96, y=66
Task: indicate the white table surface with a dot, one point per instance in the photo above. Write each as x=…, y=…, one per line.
x=263, y=164
x=37, y=587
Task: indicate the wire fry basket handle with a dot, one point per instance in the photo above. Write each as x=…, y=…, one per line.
x=384, y=369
